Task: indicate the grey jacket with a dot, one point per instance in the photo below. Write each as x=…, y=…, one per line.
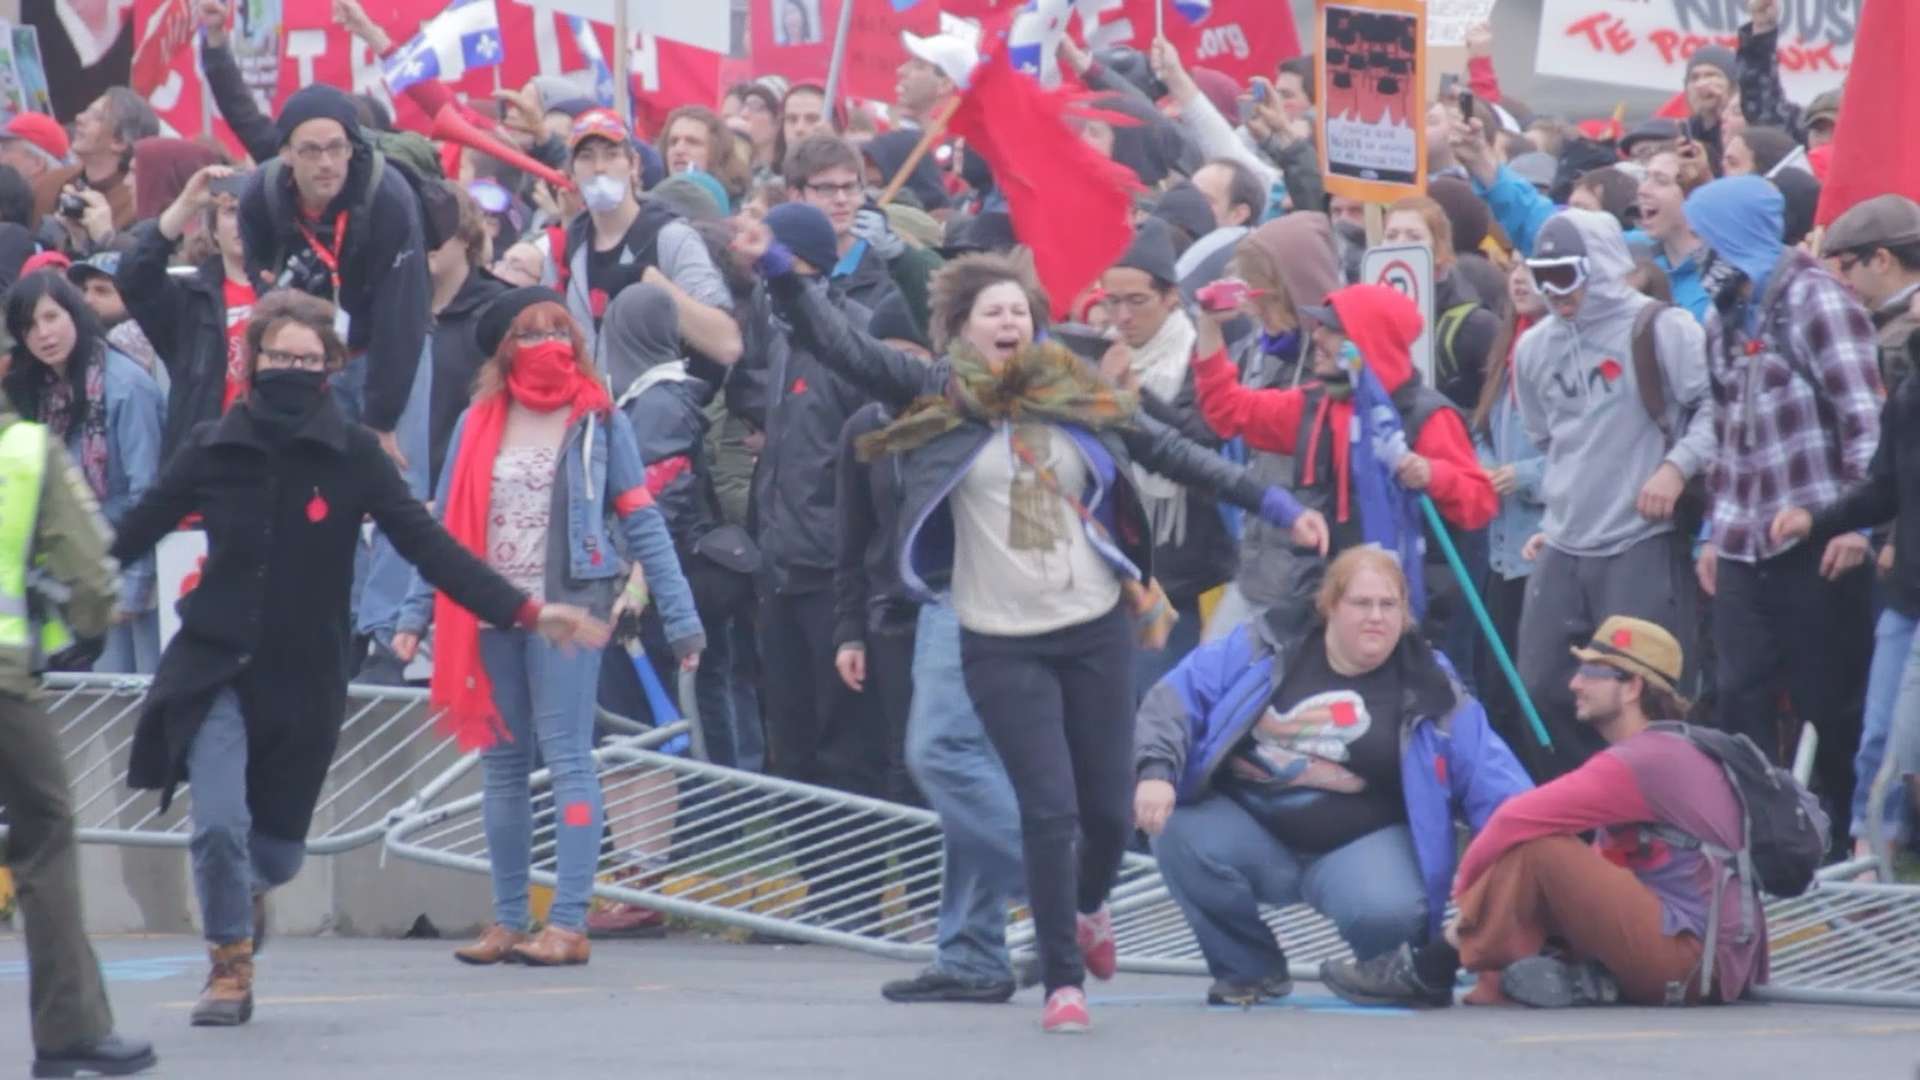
x=1580, y=401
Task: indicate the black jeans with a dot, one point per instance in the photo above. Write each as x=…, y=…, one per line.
x=1505, y=598
x=1059, y=710
x=890, y=685
x=721, y=597
x=1778, y=625
x=818, y=731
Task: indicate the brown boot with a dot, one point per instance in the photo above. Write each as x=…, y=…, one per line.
x=494, y=946
x=227, y=999
x=554, y=947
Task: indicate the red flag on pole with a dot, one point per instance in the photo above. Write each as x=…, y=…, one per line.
x=1069, y=204
x=1873, y=147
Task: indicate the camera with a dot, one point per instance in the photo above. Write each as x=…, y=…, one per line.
x=72, y=206
x=305, y=273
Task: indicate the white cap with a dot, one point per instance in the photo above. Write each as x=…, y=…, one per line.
x=950, y=53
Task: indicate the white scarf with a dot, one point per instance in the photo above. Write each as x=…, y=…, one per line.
x=671, y=371
x=1161, y=368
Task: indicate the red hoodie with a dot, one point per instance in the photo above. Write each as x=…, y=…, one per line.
x=1383, y=324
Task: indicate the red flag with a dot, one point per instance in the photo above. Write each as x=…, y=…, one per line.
x=1240, y=38
x=162, y=36
x=1873, y=147
x=1070, y=205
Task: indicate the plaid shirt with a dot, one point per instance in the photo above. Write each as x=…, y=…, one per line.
x=1782, y=441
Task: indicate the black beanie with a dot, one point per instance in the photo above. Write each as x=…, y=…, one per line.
x=497, y=317
x=1183, y=205
x=318, y=102
x=1152, y=253
x=893, y=321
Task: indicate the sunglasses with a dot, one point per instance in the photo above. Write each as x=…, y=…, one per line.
x=1598, y=672
x=1558, y=277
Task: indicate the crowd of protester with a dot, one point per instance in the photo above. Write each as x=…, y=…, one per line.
x=828, y=457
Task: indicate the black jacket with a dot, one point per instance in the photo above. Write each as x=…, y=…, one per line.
x=1460, y=362
x=457, y=359
x=384, y=287
x=228, y=88
x=867, y=590
x=1891, y=493
x=806, y=407
x=671, y=425
x=270, y=617
x=185, y=317
x=1206, y=556
x=870, y=284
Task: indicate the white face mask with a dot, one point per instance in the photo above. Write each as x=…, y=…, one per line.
x=603, y=193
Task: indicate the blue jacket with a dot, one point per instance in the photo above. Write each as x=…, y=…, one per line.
x=136, y=411
x=1518, y=206
x=1506, y=443
x=1452, y=764
x=600, y=476
x=1685, y=278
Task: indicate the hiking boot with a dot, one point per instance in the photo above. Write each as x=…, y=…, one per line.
x=1548, y=982
x=259, y=923
x=619, y=919
x=1384, y=980
x=1094, y=933
x=494, y=946
x=1248, y=994
x=115, y=1055
x=554, y=947
x=1066, y=1012
x=227, y=999
x=936, y=985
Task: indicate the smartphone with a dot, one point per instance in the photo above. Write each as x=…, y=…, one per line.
x=1466, y=105
x=1226, y=294
x=232, y=185
x=1260, y=90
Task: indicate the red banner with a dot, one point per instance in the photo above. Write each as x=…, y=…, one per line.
x=1241, y=38
x=794, y=39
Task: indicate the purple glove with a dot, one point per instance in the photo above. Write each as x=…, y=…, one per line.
x=777, y=262
x=1279, y=508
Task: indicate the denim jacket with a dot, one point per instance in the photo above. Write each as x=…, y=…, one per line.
x=136, y=412
x=600, y=474
x=1506, y=443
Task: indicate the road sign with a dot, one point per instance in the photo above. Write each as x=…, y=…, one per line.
x=1408, y=268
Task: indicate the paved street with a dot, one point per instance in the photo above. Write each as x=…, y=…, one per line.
x=690, y=1007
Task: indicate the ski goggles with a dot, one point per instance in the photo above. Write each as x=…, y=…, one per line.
x=1558, y=277
x=491, y=197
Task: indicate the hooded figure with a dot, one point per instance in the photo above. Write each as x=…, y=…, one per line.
x=1742, y=219
x=641, y=340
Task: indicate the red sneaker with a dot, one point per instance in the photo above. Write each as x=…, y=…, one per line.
x=1094, y=934
x=1066, y=1012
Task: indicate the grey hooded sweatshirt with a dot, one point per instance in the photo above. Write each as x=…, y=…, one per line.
x=1580, y=400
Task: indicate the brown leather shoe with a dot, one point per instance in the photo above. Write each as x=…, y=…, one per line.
x=494, y=946
x=554, y=947
x=227, y=999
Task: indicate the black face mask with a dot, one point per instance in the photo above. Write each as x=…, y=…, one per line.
x=1723, y=281
x=283, y=399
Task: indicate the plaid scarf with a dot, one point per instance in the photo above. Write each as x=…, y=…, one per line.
x=1042, y=383
x=58, y=408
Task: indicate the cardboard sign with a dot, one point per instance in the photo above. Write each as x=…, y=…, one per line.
x=1408, y=268
x=1371, y=125
x=794, y=39
x=178, y=560
x=1646, y=43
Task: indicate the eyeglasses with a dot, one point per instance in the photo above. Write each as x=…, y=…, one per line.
x=1558, y=277
x=280, y=358
x=1603, y=673
x=315, y=152
x=541, y=337
x=835, y=191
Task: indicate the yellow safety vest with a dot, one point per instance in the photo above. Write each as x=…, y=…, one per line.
x=23, y=466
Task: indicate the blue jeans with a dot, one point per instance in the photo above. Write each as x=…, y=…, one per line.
x=965, y=783
x=1893, y=657
x=1221, y=865
x=133, y=647
x=381, y=584
x=543, y=693
x=231, y=862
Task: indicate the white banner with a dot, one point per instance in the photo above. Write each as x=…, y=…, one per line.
x=1449, y=20
x=178, y=560
x=1646, y=43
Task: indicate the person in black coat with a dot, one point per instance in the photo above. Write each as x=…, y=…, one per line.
x=250, y=694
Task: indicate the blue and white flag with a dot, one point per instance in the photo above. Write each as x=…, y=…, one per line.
x=1034, y=41
x=1389, y=513
x=589, y=45
x=466, y=35
x=1194, y=11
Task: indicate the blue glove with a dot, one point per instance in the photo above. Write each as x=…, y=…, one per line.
x=777, y=262
x=1279, y=508
x=873, y=227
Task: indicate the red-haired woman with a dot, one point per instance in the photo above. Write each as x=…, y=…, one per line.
x=540, y=435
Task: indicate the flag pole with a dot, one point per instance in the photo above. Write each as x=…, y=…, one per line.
x=1159, y=20
x=622, y=63
x=838, y=61
x=1486, y=621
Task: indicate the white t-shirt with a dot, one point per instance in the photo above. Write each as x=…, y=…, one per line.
x=1023, y=564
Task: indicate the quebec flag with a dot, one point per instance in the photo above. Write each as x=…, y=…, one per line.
x=1037, y=30
x=464, y=36
x=1195, y=11
x=589, y=45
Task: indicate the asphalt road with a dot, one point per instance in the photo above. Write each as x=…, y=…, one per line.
x=690, y=1007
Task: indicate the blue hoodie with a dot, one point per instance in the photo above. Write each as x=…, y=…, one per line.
x=1743, y=219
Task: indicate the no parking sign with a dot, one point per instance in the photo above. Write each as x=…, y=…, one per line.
x=1408, y=268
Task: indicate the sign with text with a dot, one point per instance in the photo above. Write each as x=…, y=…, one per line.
x=1646, y=43
x=1408, y=268
x=1449, y=20
x=794, y=39
x=1371, y=124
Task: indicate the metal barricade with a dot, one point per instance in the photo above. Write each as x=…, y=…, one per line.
x=1845, y=943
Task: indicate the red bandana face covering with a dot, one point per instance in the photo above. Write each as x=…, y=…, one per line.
x=545, y=376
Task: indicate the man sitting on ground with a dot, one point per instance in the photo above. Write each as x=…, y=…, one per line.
x=1631, y=911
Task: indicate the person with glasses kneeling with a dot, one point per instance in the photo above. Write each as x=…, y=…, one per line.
x=1323, y=763
x=251, y=693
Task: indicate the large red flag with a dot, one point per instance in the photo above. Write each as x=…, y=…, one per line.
x=1874, y=151
x=1069, y=204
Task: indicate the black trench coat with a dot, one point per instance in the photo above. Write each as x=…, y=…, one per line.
x=270, y=615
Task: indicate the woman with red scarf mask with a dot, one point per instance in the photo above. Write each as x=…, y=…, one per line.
x=541, y=435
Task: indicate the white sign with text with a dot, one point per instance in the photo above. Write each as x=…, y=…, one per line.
x=1646, y=43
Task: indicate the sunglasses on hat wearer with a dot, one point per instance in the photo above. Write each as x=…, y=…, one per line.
x=1598, y=672
x=1558, y=277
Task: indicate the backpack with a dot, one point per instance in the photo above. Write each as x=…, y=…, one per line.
x=1691, y=509
x=1446, y=333
x=1783, y=828
x=405, y=158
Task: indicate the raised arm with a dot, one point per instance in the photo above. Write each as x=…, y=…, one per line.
x=228, y=87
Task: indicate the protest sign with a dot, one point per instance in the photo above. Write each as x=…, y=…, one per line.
x=1646, y=43
x=1449, y=20
x=13, y=98
x=1371, y=124
x=1408, y=268
x=794, y=39
x=31, y=70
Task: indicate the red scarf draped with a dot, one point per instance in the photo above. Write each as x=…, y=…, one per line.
x=543, y=378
